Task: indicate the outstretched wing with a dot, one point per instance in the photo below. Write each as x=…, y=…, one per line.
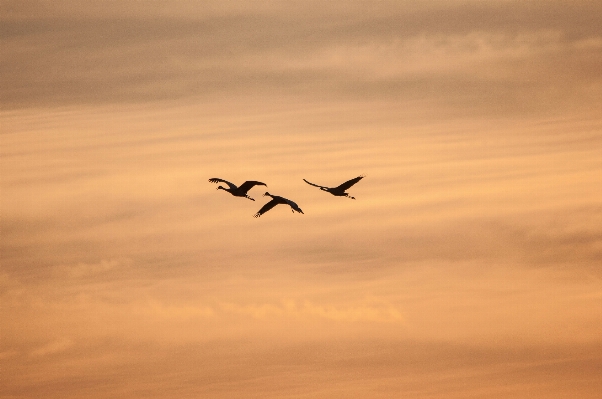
x=349, y=183
x=216, y=180
x=294, y=206
x=246, y=186
x=266, y=208
x=311, y=184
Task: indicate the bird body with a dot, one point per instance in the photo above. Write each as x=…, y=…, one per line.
x=275, y=201
x=338, y=191
x=235, y=190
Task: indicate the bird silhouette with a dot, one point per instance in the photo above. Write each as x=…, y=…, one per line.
x=339, y=191
x=275, y=201
x=237, y=191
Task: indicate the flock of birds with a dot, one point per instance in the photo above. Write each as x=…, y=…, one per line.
x=243, y=189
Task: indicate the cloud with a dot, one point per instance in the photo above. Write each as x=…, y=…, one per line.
x=52, y=348
x=380, y=312
x=371, y=310
x=178, y=312
x=374, y=368
x=503, y=56
x=89, y=270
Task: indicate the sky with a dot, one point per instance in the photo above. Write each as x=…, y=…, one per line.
x=469, y=265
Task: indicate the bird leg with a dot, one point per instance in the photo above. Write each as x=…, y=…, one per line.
x=246, y=196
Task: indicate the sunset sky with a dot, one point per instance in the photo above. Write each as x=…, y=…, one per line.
x=469, y=265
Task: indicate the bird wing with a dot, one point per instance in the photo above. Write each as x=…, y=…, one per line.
x=266, y=208
x=311, y=184
x=216, y=180
x=246, y=186
x=349, y=183
x=293, y=205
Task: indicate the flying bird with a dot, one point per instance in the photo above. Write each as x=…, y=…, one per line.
x=275, y=201
x=237, y=191
x=339, y=191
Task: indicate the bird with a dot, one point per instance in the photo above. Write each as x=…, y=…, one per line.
x=275, y=201
x=237, y=191
x=339, y=191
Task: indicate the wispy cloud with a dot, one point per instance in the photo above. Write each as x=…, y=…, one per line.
x=372, y=310
x=52, y=348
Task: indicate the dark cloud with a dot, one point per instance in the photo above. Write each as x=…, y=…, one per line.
x=73, y=57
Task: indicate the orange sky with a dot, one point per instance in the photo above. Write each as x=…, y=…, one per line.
x=468, y=267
